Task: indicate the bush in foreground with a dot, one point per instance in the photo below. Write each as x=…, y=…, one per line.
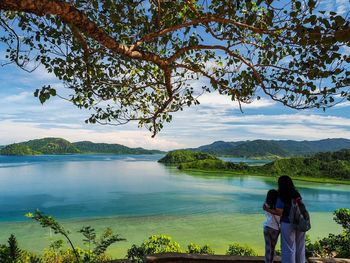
x=237, y=249
x=153, y=245
x=11, y=253
x=334, y=245
x=197, y=249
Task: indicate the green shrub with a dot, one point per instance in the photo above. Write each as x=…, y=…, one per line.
x=154, y=244
x=197, y=249
x=96, y=247
x=333, y=245
x=236, y=249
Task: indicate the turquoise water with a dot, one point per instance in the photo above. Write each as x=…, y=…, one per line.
x=141, y=197
x=82, y=186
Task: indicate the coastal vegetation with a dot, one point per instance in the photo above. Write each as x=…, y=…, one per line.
x=213, y=165
x=333, y=165
x=185, y=156
x=62, y=146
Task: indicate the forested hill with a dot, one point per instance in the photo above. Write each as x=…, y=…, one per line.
x=333, y=165
x=325, y=165
x=90, y=147
x=271, y=149
x=40, y=146
x=62, y=146
x=184, y=156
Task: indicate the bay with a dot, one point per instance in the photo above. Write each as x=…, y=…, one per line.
x=139, y=197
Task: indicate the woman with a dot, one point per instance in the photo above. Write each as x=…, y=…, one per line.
x=292, y=241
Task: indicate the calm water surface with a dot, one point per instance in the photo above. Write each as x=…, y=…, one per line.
x=143, y=197
x=81, y=186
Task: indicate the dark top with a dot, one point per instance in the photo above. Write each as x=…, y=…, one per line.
x=286, y=207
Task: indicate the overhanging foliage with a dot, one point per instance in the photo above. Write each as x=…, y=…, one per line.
x=137, y=60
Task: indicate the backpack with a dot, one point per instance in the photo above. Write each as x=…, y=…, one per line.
x=298, y=216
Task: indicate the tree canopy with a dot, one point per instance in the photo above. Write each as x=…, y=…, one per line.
x=138, y=59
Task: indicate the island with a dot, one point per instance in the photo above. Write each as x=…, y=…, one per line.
x=62, y=146
x=321, y=167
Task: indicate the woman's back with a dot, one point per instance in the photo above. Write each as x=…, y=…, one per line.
x=285, y=203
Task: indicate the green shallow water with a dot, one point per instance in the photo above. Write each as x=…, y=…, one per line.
x=214, y=229
x=138, y=197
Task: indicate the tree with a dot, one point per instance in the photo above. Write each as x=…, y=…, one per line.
x=96, y=246
x=335, y=245
x=137, y=59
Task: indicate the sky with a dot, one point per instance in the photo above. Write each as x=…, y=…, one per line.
x=22, y=117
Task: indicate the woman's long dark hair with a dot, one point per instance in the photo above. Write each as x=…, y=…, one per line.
x=286, y=189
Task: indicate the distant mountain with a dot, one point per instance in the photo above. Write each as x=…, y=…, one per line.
x=17, y=149
x=271, y=149
x=51, y=146
x=90, y=147
x=62, y=146
x=218, y=147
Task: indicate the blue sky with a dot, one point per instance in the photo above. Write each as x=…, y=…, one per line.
x=22, y=117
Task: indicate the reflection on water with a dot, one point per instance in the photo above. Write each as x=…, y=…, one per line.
x=86, y=186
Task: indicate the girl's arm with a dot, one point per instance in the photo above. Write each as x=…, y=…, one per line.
x=277, y=211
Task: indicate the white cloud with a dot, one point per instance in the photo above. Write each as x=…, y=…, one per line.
x=216, y=100
x=301, y=132
x=17, y=97
x=213, y=120
x=342, y=6
x=41, y=74
x=298, y=118
x=198, y=127
x=342, y=104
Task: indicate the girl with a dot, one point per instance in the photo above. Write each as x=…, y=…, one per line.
x=271, y=226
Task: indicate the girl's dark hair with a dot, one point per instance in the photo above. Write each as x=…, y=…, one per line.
x=286, y=189
x=271, y=198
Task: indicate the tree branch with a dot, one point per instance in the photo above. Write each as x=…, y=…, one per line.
x=205, y=19
x=73, y=16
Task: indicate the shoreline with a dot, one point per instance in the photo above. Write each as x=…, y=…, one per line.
x=296, y=178
x=82, y=153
